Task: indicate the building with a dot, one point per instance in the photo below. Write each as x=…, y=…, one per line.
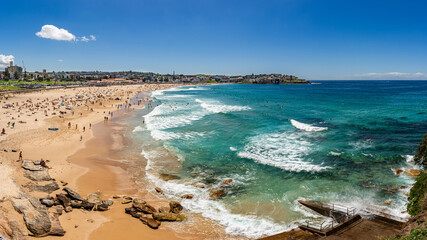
x=13, y=69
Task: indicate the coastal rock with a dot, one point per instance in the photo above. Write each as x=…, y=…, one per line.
x=56, y=228
x=42, y=175
x=29, y=165
x=47, y=202
x=94, y=197
x=168, y=177
x=35, y=215
x=175, y=207
x=399, y=171
x=48, y=188
x=76, y=204
x=159, y=190
x=413, y=172
x=154, y=224
x=88, y=205
x=165, y=214
x=59, y=209
x=126, y=201
x=72, y=194
x=11, y=228
x=65, y=202
x=388, y=202
x=143, y=206
x=187, y=196
x=227, y=181
x=199, y=185
x=217, y=193
x=108, y=203
x=421, y=154
x=101, y=207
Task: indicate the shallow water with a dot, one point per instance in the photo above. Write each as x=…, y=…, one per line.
x=336, y=141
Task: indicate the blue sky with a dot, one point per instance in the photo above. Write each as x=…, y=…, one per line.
x=313, y=39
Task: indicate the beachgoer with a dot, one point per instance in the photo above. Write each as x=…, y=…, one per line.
x=43, y=163
x=3, y=131
x=20, y=155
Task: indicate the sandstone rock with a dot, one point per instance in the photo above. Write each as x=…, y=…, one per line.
x=142, y=206
x=88, y=205
x=48, y=188
x=227, y=181
x=11, y=228
x=65, y=202
x=159, y=190
x=154, y=224
x=388, y=202
x=187, y=196
x=59, y=209
x=76, y=204
x=107, y=202
x=165, y=214
x=168, y=177
x=126, y=201
x=217, y=193
x=101, y=207
x=413, y=172
x=116, y=197
x=199, y=185
x=35, y=215
x=29, y=165
x=73, y=195
x=47, y=202
x=399, y=171
x=94, y=197
x=42, y=175
x=56, y=228
x=175, y=206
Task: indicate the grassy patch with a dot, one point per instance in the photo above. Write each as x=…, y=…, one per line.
x=416, y=195
x=7, y=88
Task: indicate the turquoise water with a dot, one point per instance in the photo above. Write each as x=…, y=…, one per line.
x=337, y=141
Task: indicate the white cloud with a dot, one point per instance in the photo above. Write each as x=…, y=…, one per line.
x=60, y=34
x=5, y=60
x=60, y=60
x=393, y=75
x=52, y=32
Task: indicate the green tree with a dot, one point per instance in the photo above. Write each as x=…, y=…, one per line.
x=6, y=74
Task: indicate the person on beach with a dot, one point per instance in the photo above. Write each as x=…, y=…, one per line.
x=69, y=125
x=3, y=131
x=20, y=156
x=43, y=164
x=84, y=129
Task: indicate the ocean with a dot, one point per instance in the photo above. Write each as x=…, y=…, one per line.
x=334, y=141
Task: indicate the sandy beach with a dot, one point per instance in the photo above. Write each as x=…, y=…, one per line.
x=83, y=153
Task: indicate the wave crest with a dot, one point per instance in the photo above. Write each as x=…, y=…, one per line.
x=307, y=127
x=221, y=108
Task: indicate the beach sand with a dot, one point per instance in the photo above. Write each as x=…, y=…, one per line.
x=85, y=161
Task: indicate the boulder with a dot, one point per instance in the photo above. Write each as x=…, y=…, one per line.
x=159, y=190
x=101, y=207
x=47, y=188
x=94, y=197
x=76, y=204
x=107, y=202
x=199, y=185
x=187, y=196
x=88, y=205
x=154, y=224
x=165, y=214
x=175, y=206
x=42, y=175
x=413, y=172
x=399, y=171
x=217, y=193
x=65, y=202
x=29, y=165
x=56, y=228
x=59, y=209
x=48, y=202
x=72, y=194
x=143, y=206
x=167, y=177
x=227, y=181
x=35, y=215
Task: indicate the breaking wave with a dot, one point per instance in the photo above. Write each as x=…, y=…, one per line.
x=220, y=108
x=307, y=127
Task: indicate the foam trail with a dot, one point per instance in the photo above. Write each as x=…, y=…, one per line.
x=216, y=107
x=307, y=127
x=137, y=129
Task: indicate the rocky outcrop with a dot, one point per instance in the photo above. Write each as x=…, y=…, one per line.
x=11, y=229
x=152, y=223
x=175, y=207
x=47, y=188
x=42, y=175
x=72, y=194
x=94, y=197
x=56, y=228
x=421, y=154
x=217, y=193
x=35, y=215
x=165, y=214
x=143, y=206
x=65, y=202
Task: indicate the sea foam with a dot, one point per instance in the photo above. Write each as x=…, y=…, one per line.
x=307, y=127
x=216, y=107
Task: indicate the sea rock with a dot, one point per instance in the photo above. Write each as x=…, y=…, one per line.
x=143, y=206
x=165, y=214
x=88, y=205
x=126, y=201
x=217, y=193
x=154, y=224
x=388, y=202
x=36, y=217
x=399, y=171
x=107, y=202
x=59, y=209
x=168, y=177
x=175, y=206
x=413, y=172
x=187, y=196
x=56, y=228
x=29, y=165
x=42, y=175
x=72, y=194
x=227, y=181
x=65, y=202
x=199, y=185
x=159, y=190
x=48, y=188
x=94, y=197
